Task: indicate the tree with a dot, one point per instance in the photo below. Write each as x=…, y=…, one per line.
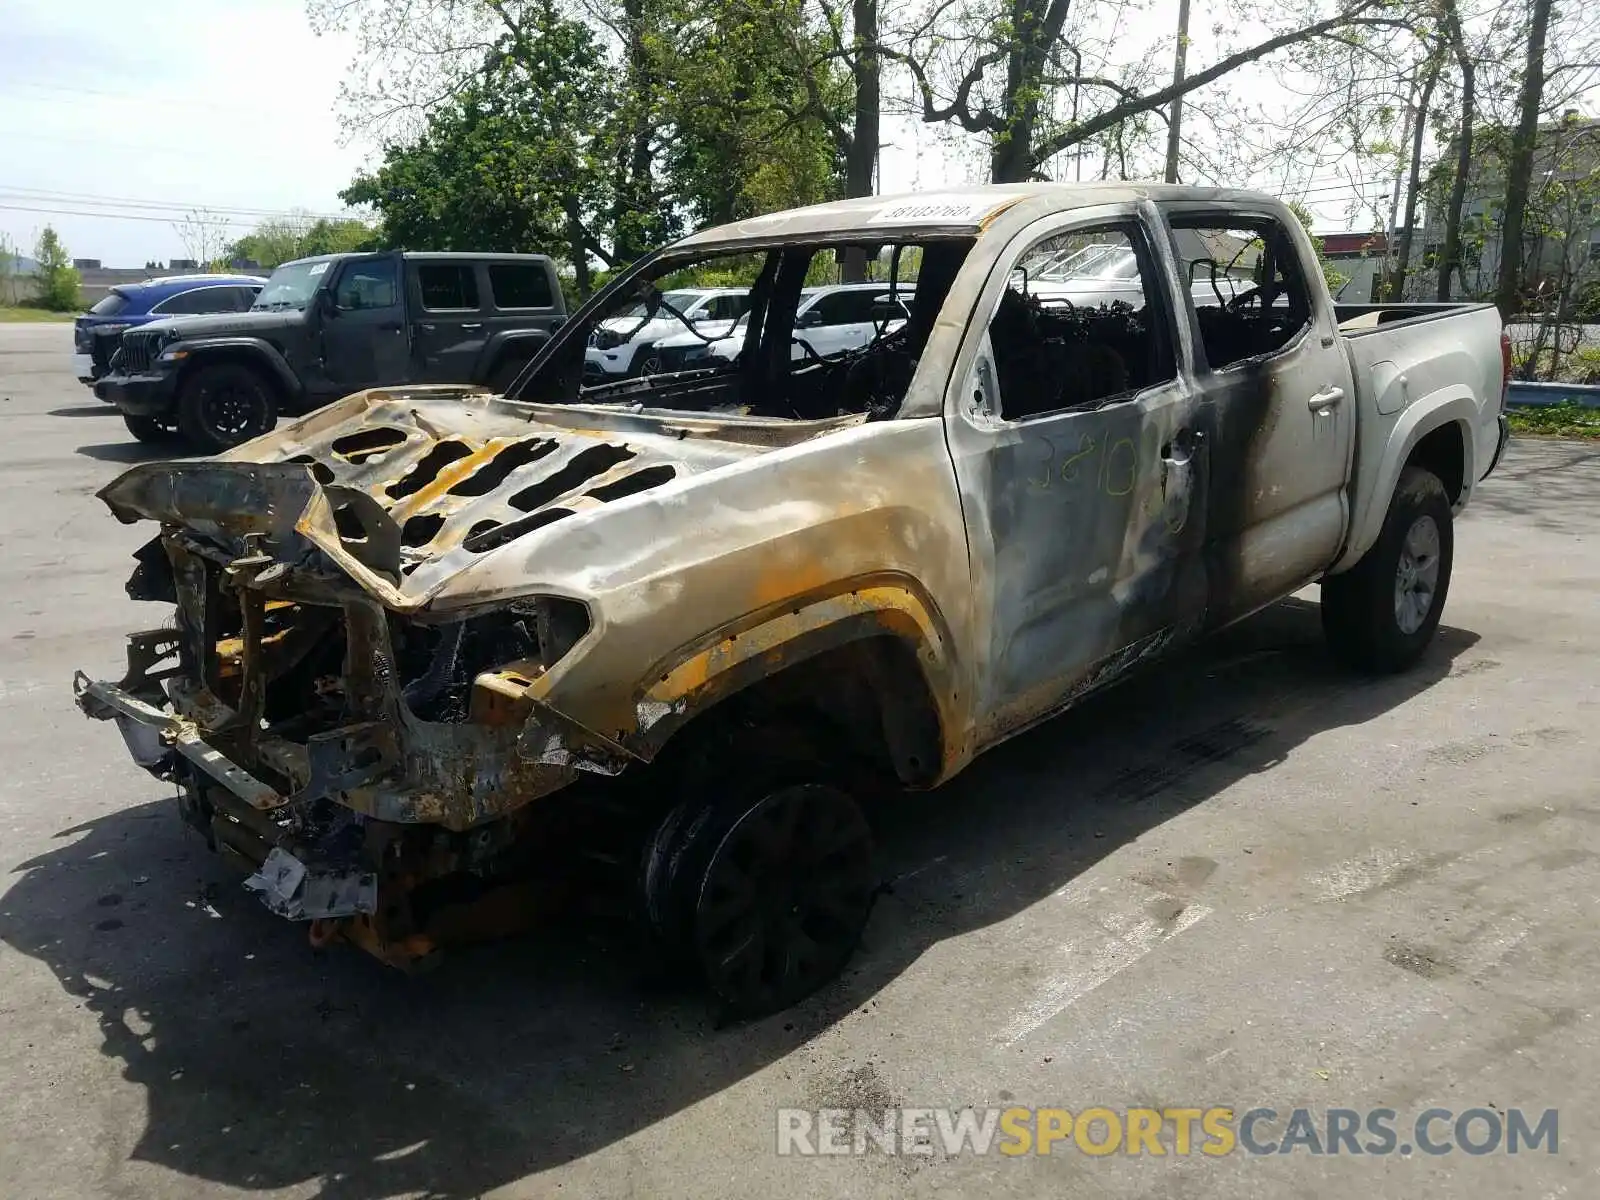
x=1519, y=167
x=514, y=161
x=1450, y=263
x=511, y=123
x=1037, y=43
x=755, y=109
x=203, y=235
x=8, y=270
x=57, y=281
x=1331, y=275
x=280, y=239
x=1419, y=130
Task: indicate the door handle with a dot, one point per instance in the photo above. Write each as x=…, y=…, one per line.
x=1325, y=399
x=473, y=327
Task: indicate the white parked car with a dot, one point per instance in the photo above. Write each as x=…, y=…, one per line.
x=1104, y=273
x=828, y=321
x=623, y=345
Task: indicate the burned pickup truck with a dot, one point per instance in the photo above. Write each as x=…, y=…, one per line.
x=436, y=647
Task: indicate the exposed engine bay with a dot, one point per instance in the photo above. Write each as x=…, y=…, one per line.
x=376, y=758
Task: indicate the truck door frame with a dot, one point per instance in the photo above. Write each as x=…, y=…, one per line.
x=1280, y=428
x=1044, y=494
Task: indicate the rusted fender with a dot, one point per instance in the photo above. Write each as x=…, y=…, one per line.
x=766, y=643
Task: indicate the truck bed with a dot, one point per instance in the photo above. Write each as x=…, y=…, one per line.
x=1408, y=360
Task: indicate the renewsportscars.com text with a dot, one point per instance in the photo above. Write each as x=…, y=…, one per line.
x=1210, y=1131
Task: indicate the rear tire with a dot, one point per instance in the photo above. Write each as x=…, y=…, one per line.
x=1380, y=615
x=225, y=404
x=148, y=430
x=505, y=374
x=761, y=879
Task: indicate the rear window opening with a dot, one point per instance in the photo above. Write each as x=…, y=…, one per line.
x=804, y=332
x=109, y=305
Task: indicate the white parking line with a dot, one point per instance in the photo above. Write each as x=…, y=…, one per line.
x=1088, y=963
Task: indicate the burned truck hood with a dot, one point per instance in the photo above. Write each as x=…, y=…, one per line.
x=412, y=492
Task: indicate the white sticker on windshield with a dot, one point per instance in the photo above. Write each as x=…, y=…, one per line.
x=949, y=209
x=317, y=268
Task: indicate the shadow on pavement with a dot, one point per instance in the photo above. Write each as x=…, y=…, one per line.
x=268, y=1065
x=1552, y=481
x=97, y=409
x=130, y=452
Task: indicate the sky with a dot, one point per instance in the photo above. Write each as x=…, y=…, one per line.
x=149, y=110
x=119, y=117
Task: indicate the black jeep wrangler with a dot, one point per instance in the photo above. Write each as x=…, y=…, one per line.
x=324, y=327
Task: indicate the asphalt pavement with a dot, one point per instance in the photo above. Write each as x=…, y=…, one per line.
x=1246, y=881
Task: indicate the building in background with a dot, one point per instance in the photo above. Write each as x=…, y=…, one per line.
x=1561, y=246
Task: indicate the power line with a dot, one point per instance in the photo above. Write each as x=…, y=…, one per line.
x=131, y=202
x=112, y=216
x=99, y=94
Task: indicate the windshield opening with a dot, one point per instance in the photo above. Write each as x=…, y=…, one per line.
x=801, y=332
x=290, y=286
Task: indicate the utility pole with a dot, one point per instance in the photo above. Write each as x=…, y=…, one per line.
x=1176, y=121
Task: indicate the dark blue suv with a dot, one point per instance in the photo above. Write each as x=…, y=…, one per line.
x=96, y=334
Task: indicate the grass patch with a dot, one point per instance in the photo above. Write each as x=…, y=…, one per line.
x=1556, y=420
x=20, y=313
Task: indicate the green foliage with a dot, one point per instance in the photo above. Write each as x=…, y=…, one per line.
x=1334, y=278
x=57, y=282
x=1565, y=419
x=741, y=147
x=278, y=241
x=1584, y=365
x=505, y=164
x=8, y=270
x=557, y=147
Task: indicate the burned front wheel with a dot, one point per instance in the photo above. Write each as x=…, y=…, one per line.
x=766, y=899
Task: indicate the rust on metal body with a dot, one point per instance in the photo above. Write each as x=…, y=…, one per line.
x=432, y=610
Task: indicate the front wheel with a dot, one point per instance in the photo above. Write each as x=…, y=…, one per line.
x=761, y=880
x=1380, y=615
x=225, y=404
x=147, y=430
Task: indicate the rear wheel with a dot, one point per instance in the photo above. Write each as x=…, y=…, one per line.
x=225, y=404
x=147, y=430
x=505, y=374
x=761, y=879
x=1380, y=615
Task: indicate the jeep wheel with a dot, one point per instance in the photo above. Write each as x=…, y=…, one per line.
x=505, y=374
x=148, y=430
x=1380, y=615
x=764, y=888
x=225, y=404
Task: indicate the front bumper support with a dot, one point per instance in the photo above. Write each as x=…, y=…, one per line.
x=106, y=701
